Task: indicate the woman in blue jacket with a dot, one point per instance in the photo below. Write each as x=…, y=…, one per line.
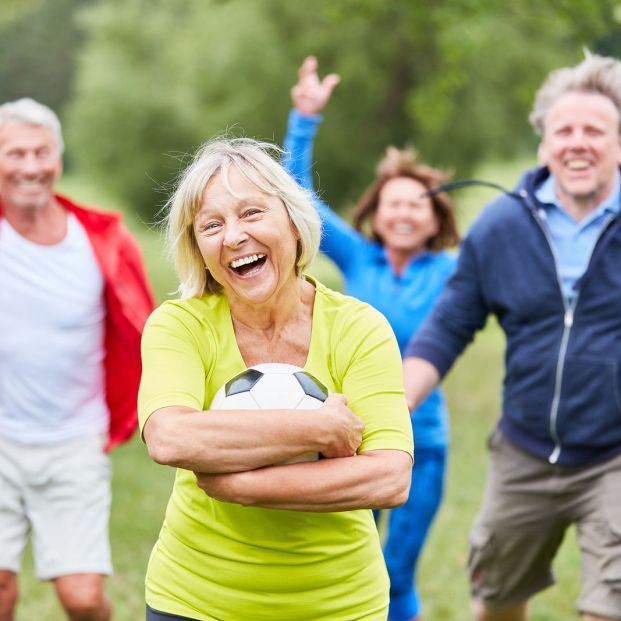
x=400, y=270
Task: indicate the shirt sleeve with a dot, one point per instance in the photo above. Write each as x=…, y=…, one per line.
x=456, y=317
x=298, y=147
x=173, y=362
x=373, y=380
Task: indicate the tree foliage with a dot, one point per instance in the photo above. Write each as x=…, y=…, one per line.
x=11, y=10
x=157, y=80
x=38, y=46
x=453, y=77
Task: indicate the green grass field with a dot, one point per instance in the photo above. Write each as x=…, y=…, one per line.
x=141, y=488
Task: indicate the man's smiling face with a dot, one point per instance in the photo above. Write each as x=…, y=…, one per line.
x=581, y=147
x=30, y=164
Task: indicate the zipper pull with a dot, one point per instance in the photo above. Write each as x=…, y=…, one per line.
x=555, y=454
x=569, y=318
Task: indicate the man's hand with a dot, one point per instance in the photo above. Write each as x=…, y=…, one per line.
x=344, y=433
x=310, y=94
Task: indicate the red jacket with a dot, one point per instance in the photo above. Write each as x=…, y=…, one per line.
x=128, y=301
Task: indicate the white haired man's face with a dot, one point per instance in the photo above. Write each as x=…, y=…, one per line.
x=582, y=148
x=30, y=164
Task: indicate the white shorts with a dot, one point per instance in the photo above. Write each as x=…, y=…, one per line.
x=59, y=493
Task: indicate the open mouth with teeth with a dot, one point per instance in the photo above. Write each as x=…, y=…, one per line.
x=578, y=164
x=247, y=264
x=29, y=185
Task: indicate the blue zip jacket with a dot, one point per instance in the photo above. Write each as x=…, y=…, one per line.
x=404, y=299
x=562, y=384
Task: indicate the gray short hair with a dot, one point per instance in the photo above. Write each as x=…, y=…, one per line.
x=27, y=111
x=256, y=162
x=595, y=74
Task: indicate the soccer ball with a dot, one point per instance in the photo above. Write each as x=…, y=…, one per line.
x=272, y=386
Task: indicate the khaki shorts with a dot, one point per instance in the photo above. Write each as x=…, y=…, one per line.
x=59, y=494
x=527, y=507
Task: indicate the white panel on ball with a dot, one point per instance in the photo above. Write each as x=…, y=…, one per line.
x=272, y=386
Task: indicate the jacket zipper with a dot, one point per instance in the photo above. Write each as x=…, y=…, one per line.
x=568, y=322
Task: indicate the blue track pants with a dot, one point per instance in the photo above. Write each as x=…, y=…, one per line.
x=408, y=527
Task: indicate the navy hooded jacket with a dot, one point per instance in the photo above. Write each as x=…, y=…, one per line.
x=562, y=384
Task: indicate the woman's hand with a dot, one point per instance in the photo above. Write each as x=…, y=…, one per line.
x=219, y=486
x=344, y=433
x=310, y=94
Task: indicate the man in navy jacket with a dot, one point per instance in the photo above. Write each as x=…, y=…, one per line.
x=546, y=261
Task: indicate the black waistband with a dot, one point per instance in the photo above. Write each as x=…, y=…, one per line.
x=156, y=615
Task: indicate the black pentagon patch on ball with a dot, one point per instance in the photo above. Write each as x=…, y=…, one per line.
x=242, y=382
x=311, y=385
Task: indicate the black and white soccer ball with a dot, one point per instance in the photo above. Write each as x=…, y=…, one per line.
x=272, y=386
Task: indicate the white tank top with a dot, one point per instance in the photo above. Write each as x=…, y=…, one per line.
x=52, y=317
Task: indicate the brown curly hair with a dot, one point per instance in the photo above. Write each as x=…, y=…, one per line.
x=403, y=163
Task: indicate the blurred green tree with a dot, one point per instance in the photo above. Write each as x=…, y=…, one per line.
x=38, y=46
x=12, y=9
x=453, y=77
x=159, y=77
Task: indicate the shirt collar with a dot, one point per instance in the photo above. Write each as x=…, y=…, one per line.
x=546, y=194
x=382, y=257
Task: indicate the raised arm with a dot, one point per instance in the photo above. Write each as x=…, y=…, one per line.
x=309, y=97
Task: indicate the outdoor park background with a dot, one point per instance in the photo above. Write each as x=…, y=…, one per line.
x=140, y=83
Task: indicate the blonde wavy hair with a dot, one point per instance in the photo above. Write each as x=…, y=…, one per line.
x=256, y=162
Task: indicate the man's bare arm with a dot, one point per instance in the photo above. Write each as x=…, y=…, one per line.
x=419, y=378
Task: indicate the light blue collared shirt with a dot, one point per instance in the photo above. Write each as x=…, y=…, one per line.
x=574, y=241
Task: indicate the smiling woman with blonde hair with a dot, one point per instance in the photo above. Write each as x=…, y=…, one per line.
x=242, y=232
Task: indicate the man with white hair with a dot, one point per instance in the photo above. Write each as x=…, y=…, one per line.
x=546, y=261
x=73, y=301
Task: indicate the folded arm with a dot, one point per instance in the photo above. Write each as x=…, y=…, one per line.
x=224, y=441
x=372, y=480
